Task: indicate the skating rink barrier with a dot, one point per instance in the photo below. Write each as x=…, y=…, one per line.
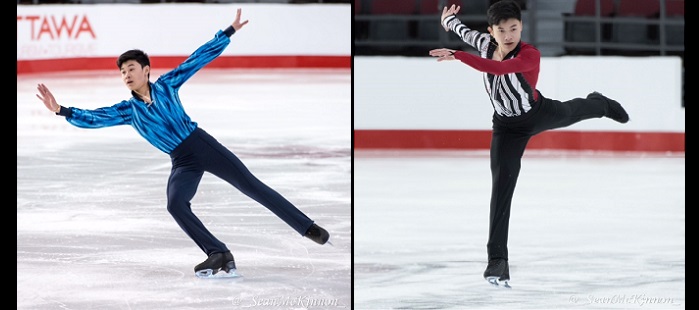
x=417, y=103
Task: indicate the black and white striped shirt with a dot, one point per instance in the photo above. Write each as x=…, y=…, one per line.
x=511, y=83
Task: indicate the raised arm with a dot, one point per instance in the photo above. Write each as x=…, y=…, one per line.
x=203, y=55
x=472, y=37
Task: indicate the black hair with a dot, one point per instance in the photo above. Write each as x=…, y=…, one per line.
x=138, y=55
x=503, y=10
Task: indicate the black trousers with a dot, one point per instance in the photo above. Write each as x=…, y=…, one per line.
x=510, y=138
x=200, y=153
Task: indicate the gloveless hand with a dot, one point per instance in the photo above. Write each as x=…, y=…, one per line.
x=46, y=96
x=443, y=54
x=448, y=12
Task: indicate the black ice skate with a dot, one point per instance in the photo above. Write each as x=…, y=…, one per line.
x=615, y=111
x=317, y=234
x=217, y=262
x=498, y=272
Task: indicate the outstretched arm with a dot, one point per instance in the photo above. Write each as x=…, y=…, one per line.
x=46, y=96
x=526, y=60
x=118, y=114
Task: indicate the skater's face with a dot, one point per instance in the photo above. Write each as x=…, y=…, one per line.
x=507, y=33
x=134, y=75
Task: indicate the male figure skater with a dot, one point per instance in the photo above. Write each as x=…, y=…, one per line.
x=157, y=114
x=510, y=71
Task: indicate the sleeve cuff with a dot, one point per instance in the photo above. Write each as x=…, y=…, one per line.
x=64, y=112
x=448, y=20
x=229, y=31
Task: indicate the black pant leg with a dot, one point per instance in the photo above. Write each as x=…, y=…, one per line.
x=181, y=187
x=506, y=150
x=554, y=114
x=221, y=162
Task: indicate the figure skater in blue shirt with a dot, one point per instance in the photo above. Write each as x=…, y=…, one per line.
x=155, y=111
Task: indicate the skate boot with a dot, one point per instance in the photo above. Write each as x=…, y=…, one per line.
x=498, y=272
x=215, y=263
x=614, y=111
x=317, y=234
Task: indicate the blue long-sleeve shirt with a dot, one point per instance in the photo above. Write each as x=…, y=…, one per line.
x=163, y=123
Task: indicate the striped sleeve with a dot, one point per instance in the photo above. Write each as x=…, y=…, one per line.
x=197, y=60
x=118, y=114
x=472, y=37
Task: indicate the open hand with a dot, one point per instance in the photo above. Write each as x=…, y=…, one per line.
x=448, y=12
x=236, y=23
x=443, y=54
x=47, y=97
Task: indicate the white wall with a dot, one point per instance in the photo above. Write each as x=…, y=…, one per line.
x=421, y=93
x=77, y=31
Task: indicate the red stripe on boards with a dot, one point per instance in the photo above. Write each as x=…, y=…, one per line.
x=551, y=140
x=167, y=62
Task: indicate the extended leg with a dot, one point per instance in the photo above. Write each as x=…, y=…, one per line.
x=224, y=164
x=556, y=114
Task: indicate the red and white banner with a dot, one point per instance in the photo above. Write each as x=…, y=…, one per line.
x=85, y=37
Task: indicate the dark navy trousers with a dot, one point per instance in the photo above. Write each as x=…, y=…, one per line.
x=509, y=139
x=199, y=153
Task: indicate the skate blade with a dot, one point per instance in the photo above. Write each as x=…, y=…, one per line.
x=209, y=274
x=496, y=282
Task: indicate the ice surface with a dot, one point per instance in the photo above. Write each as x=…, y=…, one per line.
x=587, y=231
x=93, y=231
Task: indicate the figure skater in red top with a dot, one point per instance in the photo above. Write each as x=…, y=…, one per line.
x=510, y=71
